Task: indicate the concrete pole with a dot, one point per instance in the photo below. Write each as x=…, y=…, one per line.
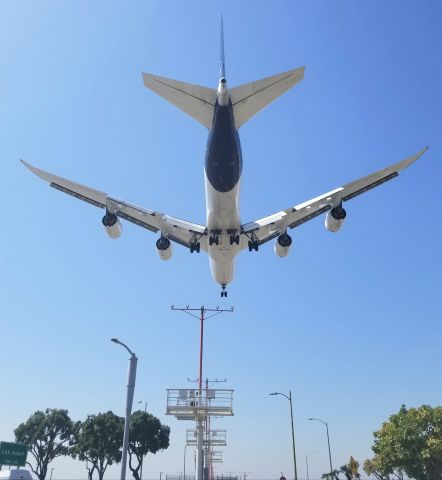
x=131, y=376
x=199, y=449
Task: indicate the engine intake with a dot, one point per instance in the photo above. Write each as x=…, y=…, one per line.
x=112, y=225
x=282, y=245
x=335, y=218
x=164, y=248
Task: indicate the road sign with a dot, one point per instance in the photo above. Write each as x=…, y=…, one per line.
x=13, y=454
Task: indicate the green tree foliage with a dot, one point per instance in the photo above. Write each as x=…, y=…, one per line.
x=350, y=470
x=147, y=435
x=409, y=443
x=98, y=441
x=382, y=470
x=48, y=435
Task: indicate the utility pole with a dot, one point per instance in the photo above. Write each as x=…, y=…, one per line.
x=201, y=418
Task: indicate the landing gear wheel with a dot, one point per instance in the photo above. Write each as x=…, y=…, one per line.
x=214, y=239
x=234, y=239
x=253, y=245
x=195, y=247
x=223, y=291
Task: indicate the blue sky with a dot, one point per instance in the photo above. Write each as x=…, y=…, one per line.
x=350, y=322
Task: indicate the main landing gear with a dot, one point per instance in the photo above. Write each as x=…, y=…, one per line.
x=253, y=245
x=223, y=291
x=214, y=237
x=234, y=237
x=195, y=247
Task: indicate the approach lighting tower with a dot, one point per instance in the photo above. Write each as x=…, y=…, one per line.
x=200, y=404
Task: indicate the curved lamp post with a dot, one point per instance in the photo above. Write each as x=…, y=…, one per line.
x=131, y=375
x=306, y=461
x=328, y=440
x=142, y=458
x=289, y=398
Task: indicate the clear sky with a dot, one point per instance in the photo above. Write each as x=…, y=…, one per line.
x=350, y=322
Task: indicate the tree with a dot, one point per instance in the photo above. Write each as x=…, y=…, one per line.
x=147, y=435
x=409, y=443
x=48, y=435
x=350, y=470
x=98, y=441
x=382, y=471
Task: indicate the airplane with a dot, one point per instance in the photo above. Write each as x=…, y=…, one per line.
x=223, y=111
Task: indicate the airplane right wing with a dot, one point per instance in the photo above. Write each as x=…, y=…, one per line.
x=265, y=229
x=180, y=231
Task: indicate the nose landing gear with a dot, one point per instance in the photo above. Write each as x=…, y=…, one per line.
x=223, y=291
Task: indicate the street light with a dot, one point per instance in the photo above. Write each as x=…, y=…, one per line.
x=142, y=458
x=289, y=398
x=306, y=461
x=131, y=375
x=145, y=405
x=328, y=440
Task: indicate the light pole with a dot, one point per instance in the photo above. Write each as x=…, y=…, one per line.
x=306, y=462
x=142, y=458
x=52, y=469
x=131, y=375
x=145, y=405
x=328, y=440
x=289, y=398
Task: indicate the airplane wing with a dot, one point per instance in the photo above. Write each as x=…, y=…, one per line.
x=272, y=226
x=180, y=231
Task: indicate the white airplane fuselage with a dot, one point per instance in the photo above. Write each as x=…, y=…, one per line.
x=222, y=175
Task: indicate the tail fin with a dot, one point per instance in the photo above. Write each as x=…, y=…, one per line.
x=250, y=98
x=222, y=66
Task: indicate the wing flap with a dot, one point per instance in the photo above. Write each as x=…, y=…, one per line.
x=87, y=194
x=195, y=100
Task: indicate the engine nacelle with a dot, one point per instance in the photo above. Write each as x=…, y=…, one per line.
x=112, y=225
x=164, y=248
x=282, y=245
x=335, y=219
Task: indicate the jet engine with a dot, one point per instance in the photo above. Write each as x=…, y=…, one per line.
x=335, y=218
x=164, y=248
x=283, y=244
x=112, y=225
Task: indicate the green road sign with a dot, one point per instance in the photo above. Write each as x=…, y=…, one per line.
x=13, y=454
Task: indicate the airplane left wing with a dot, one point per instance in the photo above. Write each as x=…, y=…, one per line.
x=272, y=226
x=177, y=230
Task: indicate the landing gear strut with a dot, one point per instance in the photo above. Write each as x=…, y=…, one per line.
x=223, y=291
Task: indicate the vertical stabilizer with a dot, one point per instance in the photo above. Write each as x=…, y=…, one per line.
x=222, y=68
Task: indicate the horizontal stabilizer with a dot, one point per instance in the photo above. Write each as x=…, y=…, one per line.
x=250, y=98
x=195, y=100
